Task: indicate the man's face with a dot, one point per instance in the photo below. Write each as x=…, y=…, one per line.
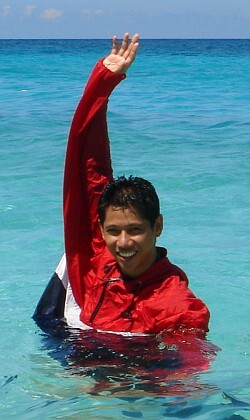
x=130, y=239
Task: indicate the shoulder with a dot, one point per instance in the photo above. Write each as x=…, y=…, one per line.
x=166, y=268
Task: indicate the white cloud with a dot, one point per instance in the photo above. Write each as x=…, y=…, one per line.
x=28, y=10
x=51, y=14
x=245, y=16
x=99, y=12
x=5, y=10
x=86, y=12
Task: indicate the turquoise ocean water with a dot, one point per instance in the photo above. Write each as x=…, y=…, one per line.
x=182, y=120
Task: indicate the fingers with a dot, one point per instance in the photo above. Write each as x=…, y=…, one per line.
x=125, y=43
x=115, y=45
x=127, y=48
x=131, y=51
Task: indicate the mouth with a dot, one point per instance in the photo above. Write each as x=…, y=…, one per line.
x=126, y=255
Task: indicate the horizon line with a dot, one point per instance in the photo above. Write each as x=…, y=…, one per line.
x=107, y=38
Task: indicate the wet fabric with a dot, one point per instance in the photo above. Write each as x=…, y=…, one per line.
x=159, y=299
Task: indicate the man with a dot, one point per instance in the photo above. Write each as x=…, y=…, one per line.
x=119, y=280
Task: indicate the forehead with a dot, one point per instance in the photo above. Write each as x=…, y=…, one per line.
x=120, y=215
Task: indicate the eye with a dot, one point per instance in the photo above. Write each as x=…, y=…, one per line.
x=113, y=231
x=135, y=230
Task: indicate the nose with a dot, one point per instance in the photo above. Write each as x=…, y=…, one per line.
x=124, y=240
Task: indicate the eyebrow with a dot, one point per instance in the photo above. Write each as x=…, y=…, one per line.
x=128, y=225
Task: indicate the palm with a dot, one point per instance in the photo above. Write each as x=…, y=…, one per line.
x=121, y=57
x=116, y=62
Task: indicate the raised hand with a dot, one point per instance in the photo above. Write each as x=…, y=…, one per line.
x=122, y=56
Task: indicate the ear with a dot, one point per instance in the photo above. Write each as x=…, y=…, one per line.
x=158, y=226
x=101, y=228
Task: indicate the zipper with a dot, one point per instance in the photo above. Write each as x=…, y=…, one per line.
x=101, y=299
x=138, y=286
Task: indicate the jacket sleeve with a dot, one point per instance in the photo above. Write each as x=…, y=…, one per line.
x=182, y=311
x=87, y=170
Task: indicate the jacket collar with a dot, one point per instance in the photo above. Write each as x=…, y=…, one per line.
x=158, y=271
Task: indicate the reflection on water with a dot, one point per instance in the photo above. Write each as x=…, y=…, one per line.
x=87, y=374
x=140, y=366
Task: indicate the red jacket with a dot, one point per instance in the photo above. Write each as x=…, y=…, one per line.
x=158, y=299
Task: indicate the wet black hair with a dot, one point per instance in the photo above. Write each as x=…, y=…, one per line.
x=134, y=192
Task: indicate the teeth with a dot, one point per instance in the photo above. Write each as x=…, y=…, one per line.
x=126, y=254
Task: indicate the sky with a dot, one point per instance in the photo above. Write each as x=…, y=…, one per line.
x=21, y=19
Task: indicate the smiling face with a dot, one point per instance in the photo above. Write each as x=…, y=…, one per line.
x=130, y=239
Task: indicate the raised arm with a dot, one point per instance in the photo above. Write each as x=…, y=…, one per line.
x=88, y=165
